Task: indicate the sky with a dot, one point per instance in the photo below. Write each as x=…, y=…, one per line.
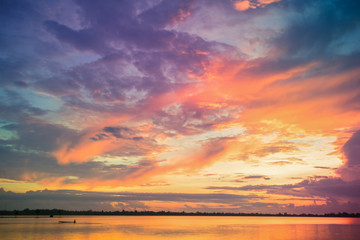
x=180, y=105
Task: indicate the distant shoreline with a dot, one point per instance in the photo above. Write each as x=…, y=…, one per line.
x=62, y=213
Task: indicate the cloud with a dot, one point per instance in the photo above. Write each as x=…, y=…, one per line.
x=167, y=13
x=121, y=132
x=213, y=202
x=328, y=188
x=101, y=140
x=27, y=155
x=350, y=171
x=190, y=118
x=256, y=177
x=244, y=5
x=84, y=200
x=44, y=169
x=332, y=19
x=268, y=1
x=137, y=91
x=291, y=161
x=333, y=189
x=139, y=70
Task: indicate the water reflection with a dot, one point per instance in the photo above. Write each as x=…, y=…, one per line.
x=180, y=227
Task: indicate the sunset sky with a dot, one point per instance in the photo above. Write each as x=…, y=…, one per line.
x=180, y=105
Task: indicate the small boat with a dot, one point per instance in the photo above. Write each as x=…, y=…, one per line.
x=67, y=221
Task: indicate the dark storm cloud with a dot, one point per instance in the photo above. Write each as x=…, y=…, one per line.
x=84, y=200
x=52, y=199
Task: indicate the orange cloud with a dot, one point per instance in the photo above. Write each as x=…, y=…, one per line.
x=307, y=102
x=292, y=101
x=83, y=151
x=245, y=4
x=242, y=5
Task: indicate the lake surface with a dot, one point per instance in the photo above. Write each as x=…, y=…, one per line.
x=179, y=227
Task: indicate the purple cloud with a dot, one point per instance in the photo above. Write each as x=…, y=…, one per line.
x=350, y=171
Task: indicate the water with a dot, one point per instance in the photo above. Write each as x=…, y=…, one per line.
x=179, y=227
